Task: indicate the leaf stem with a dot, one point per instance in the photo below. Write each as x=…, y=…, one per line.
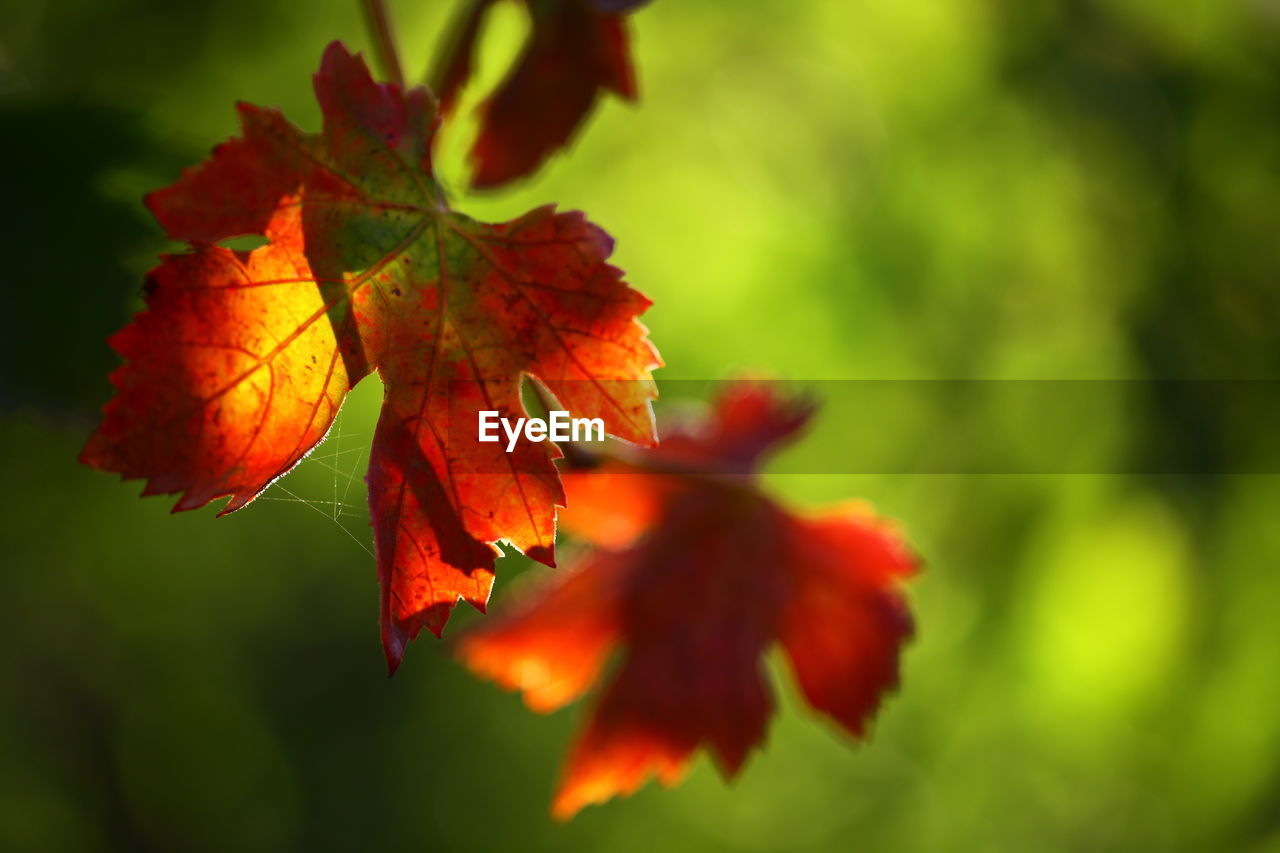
x=375, y=15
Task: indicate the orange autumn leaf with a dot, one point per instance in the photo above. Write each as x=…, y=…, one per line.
x=241, y=360
x=698, y=575
x=576, y=50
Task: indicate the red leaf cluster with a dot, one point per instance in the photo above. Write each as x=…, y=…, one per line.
x=238, y=365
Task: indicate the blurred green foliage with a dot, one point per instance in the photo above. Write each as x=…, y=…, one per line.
x=812, y=188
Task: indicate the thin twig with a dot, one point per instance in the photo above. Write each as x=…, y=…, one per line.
x=375, y=14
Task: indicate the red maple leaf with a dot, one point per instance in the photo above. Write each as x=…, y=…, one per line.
x=576, y=49
x=699, y=575
x=240, y=361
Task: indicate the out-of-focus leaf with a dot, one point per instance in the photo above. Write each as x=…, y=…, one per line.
x=700, y=574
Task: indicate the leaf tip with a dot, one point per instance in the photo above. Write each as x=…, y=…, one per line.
x=545, y=554
x=392, y=649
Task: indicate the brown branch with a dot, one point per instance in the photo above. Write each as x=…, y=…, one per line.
x=375, y=15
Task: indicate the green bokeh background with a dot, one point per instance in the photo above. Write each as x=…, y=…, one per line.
x=816, y=189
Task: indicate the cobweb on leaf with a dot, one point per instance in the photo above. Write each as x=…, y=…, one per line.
x=344, y=457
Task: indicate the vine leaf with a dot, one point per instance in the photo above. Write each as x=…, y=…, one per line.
x=695, y=577
x=238, y=365
x=576, y=50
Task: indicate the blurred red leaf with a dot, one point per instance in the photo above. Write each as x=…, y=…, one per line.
x=576, y=49
x=238, y=365
x=697, y=576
